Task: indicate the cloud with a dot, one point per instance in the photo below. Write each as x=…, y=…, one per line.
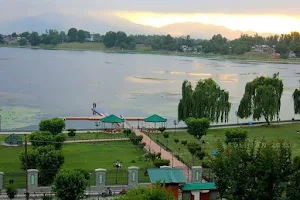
x=15, y=8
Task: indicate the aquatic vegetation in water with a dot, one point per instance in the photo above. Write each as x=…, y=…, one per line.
x=18, y=117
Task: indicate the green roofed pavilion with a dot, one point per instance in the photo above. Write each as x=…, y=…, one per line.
x=155, y=118
x=112, y=119
x=13, y=139
x=166, y=175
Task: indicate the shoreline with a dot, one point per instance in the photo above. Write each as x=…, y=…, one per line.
x=207, y=56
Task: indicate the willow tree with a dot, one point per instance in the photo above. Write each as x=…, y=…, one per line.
x=207, y=100
x=296, y=98
x=262, y=98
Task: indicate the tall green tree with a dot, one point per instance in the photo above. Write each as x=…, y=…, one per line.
x=81, y=36
x=62, y=36
x=249, y=170
x=46, y=159
x=283, y=49
x=207, y=100
x=35, y=39
x=262, y=98
x=69, y=184
x=197, y=127
x=296, y=98
x=72, y=35
x=1, y=39
x=109, y=39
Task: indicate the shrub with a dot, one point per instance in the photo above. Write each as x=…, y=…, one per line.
x=11, y=192
x=60, y=138
x=71, y=132
x=176, y=140
x=162, y=129
x=161, y=162
x=166, y=135
x=127, y=132
x=236, y=135
x=55, y=125
x=184, y=142
x=46, y=197
x=141, y=145
x=136, y=139
x=197, y=127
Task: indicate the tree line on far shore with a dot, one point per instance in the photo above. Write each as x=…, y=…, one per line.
x=282, y=44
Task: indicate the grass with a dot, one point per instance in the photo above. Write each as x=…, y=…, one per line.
x=87, y=156
x=287, y=132
x=82, y=136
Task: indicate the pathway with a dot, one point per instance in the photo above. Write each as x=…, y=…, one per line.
x=154, y=147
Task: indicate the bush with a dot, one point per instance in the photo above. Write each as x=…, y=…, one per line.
x=176, y=140
x=11, y=192
x=166, y=135
x=235, y=135
x=127, y=132
x=184, y=142
x=71, y=132
x=141, y=145
x=197, y=127
x=55, y=125
x=60, y=138
x=84, y=172
x=161, y=162
x=136, y=139
x=162, y=129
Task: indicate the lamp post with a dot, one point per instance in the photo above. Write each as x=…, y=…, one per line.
x=117, y=165
x=175, y=124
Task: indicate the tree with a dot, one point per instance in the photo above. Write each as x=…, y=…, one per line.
x=252, y=171
x=45, y=138
x=46, y=159
x=296, y=98
x=166, y=136
x=283, y=50
x=121, y=38
x=14, y=35
x=1, y=39
x=109, y=39
x=25, y=35
x=35, y=39
x=97, y=37
x=72, y=35
x=69, y=184
x=194, y=148
x=87, y=34
x=55, y=125
x=11, y=192
x=22, y=42
x=235, y=135
x=147, y=193
x=62, y=36
x=262, y=98
x=207, y=100
x=197, y=127
x=81, y=36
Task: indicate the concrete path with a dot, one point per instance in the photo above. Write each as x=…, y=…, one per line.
x=154, y=147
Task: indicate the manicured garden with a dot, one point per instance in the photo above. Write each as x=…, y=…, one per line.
x=287, y=132
x=87, y=156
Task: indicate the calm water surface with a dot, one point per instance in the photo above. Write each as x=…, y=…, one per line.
x=36, y=84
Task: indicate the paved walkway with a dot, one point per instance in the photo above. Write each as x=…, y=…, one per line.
x=154, y=147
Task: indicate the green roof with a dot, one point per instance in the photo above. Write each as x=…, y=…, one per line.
x=13, y=139
x=155, y=118
x=166, y=175
x=199, y=186
x=112, y=119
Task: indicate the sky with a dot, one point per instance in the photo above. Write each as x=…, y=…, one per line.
x=271, y=16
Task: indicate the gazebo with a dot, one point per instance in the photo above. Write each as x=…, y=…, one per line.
x=113, y=119
x=155, y=119
x=13, y=140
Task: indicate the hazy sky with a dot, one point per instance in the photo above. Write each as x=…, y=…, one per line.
x=256, y=15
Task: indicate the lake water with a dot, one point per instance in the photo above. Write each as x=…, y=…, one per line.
x=37, y=84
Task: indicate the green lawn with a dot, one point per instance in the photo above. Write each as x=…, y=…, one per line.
x=287, y=132
x=83, y=136
x=89, y=156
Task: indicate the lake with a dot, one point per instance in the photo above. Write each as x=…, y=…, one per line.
x=38, y=84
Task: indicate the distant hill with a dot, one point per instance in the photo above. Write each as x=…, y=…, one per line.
x=41, y=23
x=205, y=31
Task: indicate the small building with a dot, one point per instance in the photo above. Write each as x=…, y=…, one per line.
x=170, y=178
x=199, y=191
x=13, y=140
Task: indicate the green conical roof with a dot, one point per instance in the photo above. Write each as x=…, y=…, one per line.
x=112, y=119
x=155, y=118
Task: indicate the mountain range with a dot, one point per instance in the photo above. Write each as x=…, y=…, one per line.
x=42, y=22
